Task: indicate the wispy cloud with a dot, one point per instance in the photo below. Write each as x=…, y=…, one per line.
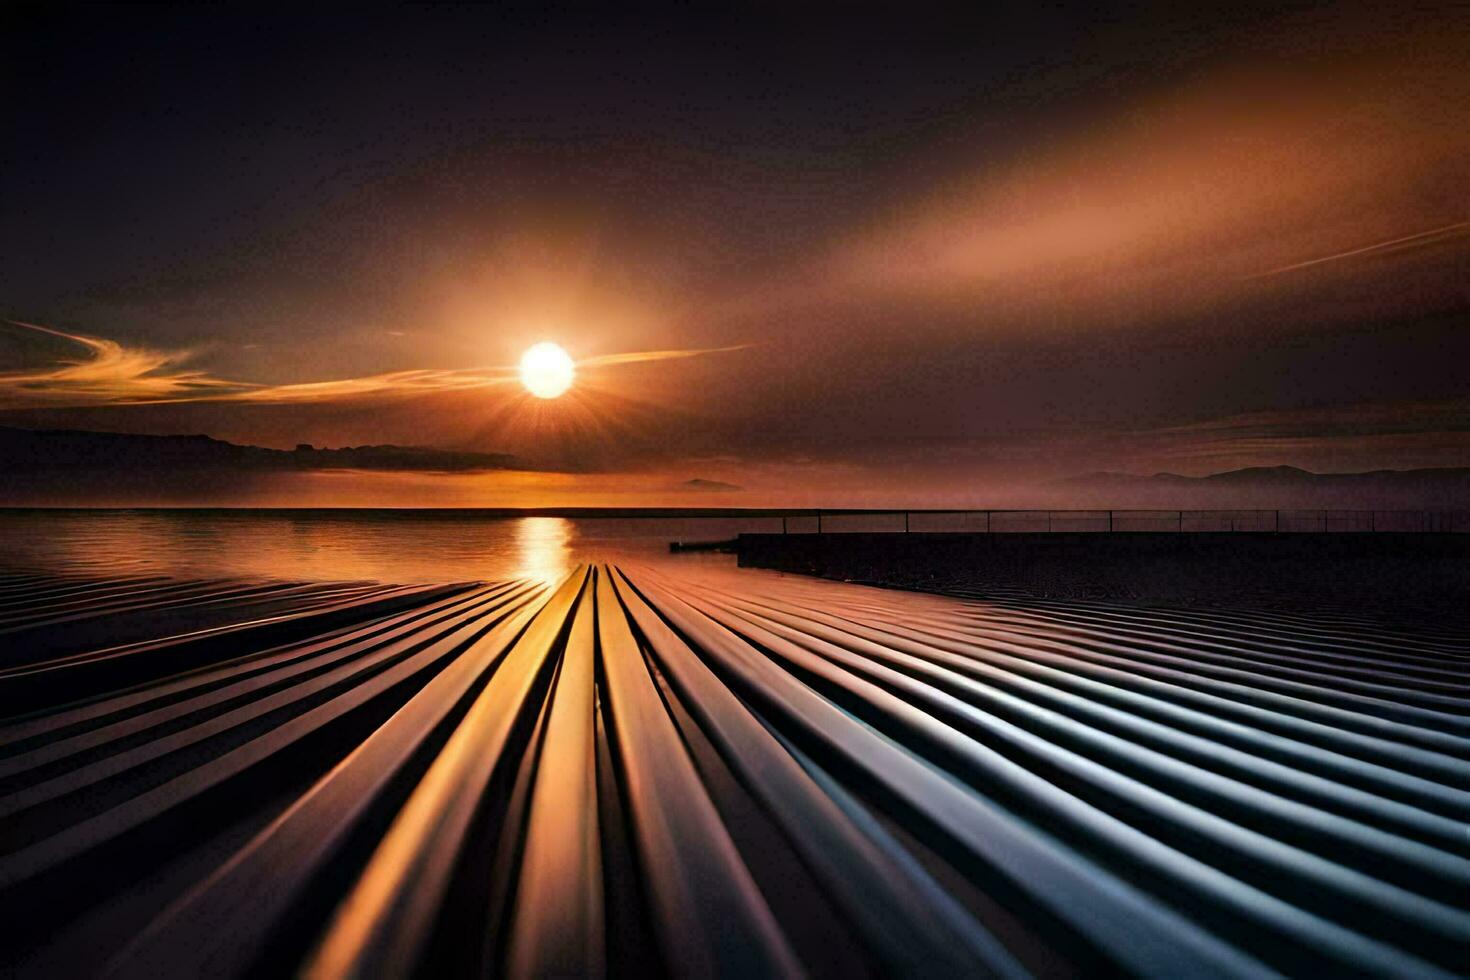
x=639, y=357
x=393, y=383
x=1417, y=240
x=1373, y=417
x=110, y=374
x=1172, y=206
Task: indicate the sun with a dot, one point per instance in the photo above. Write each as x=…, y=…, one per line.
x=547, y=371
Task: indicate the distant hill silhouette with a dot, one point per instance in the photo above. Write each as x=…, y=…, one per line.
x=715, y=486
x=1279, y=486
x=59, y=451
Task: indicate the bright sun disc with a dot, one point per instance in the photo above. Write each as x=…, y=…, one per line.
x=547, y=370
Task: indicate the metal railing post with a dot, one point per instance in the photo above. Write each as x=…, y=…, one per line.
x=1397, y=521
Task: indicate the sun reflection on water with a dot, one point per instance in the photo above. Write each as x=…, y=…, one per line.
x=544, y=545
x=384, y=546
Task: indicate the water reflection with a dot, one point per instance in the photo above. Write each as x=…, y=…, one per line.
x=387, y=546
x=543, y=545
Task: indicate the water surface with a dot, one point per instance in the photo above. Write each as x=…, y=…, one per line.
x=391, y=546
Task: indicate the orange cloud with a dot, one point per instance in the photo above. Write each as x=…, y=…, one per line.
x=638, y=357
x=112, y=374
x=1172, y=205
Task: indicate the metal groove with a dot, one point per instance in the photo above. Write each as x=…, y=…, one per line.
x=520, y=778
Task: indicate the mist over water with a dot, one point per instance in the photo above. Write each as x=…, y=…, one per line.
x=345, y=545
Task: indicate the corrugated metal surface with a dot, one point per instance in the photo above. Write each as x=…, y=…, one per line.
x=720, y=772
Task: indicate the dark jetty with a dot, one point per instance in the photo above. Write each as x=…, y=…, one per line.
x=1389, y=574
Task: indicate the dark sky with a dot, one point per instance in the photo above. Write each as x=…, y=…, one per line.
x=951, y=245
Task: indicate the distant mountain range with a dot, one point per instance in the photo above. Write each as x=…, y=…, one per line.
x=1283, y=486
x=53, y=451
x=1282, y=476
x=64, y=466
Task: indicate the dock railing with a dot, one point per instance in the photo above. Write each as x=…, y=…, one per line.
x=1124, y=521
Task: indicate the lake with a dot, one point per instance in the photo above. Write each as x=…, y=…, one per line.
x=390, y=546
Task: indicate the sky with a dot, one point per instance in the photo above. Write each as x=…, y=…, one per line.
x=920, y=252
